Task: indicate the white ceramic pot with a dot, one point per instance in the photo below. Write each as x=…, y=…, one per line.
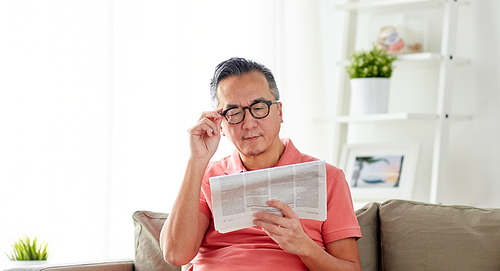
x=369, y=96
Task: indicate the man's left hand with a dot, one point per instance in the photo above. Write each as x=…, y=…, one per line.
x=285, y=230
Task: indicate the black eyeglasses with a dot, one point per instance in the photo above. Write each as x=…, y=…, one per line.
x=259, y=110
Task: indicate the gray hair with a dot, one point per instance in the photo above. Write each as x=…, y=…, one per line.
x=238, y=66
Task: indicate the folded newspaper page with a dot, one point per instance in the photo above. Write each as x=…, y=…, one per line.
x=237, y=196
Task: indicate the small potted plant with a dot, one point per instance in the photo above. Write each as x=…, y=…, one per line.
x=370, y=72
x=27, y=251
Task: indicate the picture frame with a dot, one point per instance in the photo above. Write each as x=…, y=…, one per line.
x=380, y=171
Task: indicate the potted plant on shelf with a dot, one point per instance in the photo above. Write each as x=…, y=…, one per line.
x=370, y=72
x=27, y=251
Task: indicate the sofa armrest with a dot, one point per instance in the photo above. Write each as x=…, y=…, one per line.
x=127, y=265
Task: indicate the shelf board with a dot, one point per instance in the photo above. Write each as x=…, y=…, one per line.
x=393, y=5
x=388, y=117
x=428, y=56
x=380, y=5
x=417, y=57
x=378, y=117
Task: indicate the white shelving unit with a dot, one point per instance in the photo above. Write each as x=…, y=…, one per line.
x=446, y=60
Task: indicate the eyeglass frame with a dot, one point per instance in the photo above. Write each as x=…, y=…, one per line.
x=268, y=103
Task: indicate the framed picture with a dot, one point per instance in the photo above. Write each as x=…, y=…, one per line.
x=380, y=171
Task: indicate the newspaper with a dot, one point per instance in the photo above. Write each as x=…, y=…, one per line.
x=237, y=196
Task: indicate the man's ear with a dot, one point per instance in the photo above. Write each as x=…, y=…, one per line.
x=222, y=131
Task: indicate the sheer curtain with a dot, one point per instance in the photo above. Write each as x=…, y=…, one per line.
x=138, y=78
x=164, y=56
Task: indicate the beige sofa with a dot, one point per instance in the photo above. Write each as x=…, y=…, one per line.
x=397, y=235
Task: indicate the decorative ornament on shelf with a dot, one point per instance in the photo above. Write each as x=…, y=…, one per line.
x=390, y=40
x=370, y=72
x=27, y=251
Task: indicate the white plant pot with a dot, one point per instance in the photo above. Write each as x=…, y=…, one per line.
x=369, y=96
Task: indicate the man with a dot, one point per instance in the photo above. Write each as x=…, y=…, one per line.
x=249, y=114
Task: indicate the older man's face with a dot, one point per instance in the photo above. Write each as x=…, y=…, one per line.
x=252, y=137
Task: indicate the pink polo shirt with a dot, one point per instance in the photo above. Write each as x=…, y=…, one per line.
x=251, y=248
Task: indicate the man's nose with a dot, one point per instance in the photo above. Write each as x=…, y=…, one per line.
x=249, y=122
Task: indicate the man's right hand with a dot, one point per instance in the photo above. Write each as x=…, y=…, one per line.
x=204, y=137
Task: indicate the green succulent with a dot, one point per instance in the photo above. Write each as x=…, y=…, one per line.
x=27, y=249
x=374, y=63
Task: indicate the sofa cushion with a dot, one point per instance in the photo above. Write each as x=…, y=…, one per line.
x=148, y=225
x=148, y=254
x=422, y=236
x=368, y=244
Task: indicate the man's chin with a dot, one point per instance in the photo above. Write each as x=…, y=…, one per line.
x=252, y=148
x=253, y=153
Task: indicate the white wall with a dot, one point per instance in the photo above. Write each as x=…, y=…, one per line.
x=475, y=144
x=164, y=56
x=90, y=131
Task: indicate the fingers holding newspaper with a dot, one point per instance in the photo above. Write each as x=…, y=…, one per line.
x=285, y=230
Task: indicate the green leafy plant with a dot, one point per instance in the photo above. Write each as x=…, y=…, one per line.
x=27, y=249
x=374, y=63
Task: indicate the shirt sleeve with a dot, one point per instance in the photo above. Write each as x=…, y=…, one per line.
x=341, y=220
